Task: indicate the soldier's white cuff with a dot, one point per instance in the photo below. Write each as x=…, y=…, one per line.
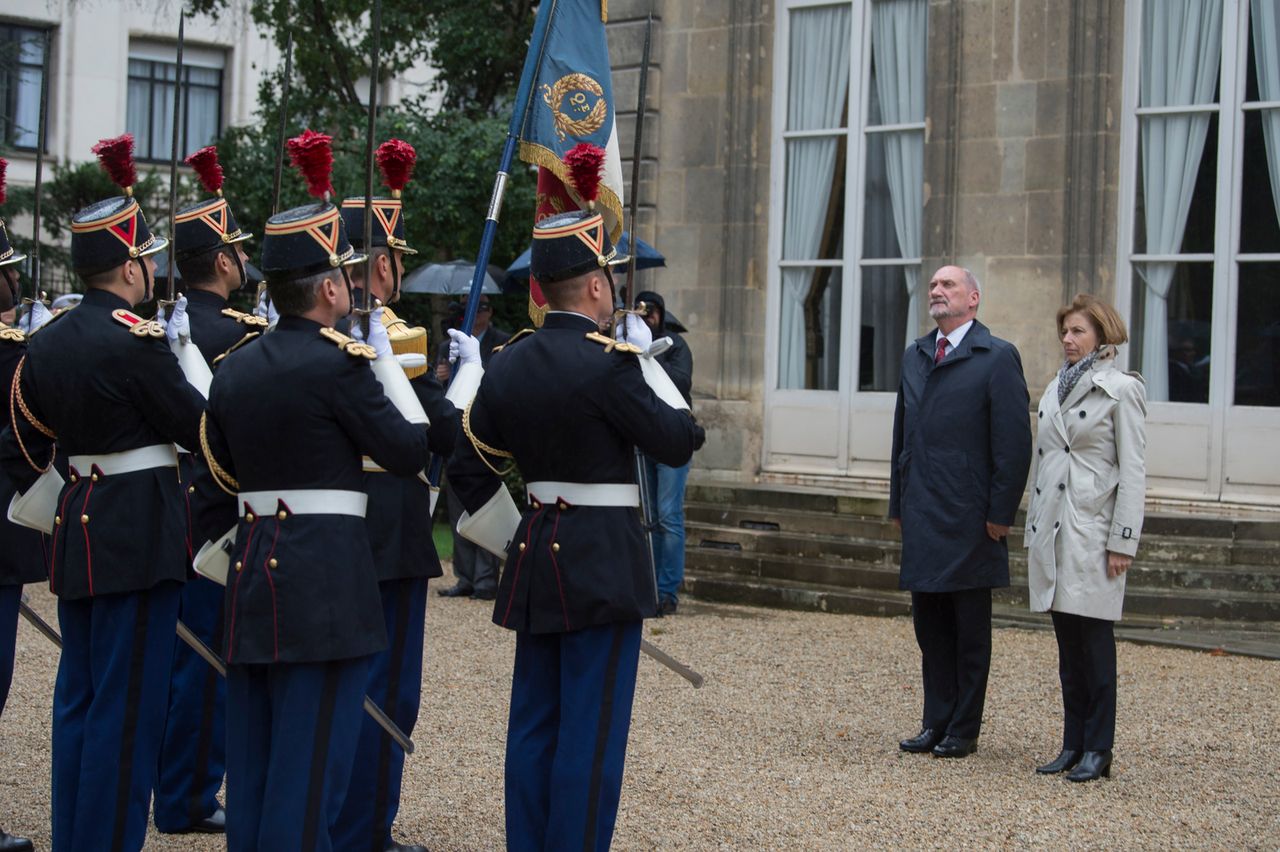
x=395, y=384
x=193, y=365
x=214, y=558
x=37, y=507
x=656, y=378
x=463, y=386
x=493, y=525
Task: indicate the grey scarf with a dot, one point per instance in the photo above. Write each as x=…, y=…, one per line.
x=1071, y=373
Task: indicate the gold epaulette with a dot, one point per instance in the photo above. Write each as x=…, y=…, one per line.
x=253, y=335
x=245, y=319
x=406, y=340
x=611, y=345
x=138, y=327
x=11, y=335
x=513, y=339
x=349, y=345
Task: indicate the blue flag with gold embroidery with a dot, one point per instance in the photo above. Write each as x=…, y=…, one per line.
x=572, y=97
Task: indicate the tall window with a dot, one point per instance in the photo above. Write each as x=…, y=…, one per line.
x=21, y=66
x=1206, y=222
x=853, y=191
x=152, y=71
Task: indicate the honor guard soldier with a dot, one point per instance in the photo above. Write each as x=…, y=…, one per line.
x=398, y=520
x=22, y=551
x=569, y=406
x=210, y=258
x=290, y=418
x=102, y=382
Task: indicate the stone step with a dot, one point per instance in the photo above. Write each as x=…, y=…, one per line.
x=1158, y=567
x=831, y=575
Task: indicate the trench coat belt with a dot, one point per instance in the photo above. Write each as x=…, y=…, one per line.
x=306, y=501
x=585, y=493
x=113, y=464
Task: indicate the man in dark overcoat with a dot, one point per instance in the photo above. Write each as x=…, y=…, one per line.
x=961, y=450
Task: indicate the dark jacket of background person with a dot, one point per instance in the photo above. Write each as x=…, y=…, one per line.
x=961, y=449
x=1088, y=481
x=678, y=360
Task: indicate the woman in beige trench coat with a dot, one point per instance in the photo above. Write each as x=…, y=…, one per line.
x=1088, y=481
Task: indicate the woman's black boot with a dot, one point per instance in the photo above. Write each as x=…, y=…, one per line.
x=1064, y=761
x=1092, y=766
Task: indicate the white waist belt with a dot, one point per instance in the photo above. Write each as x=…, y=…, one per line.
x=585, y=493
x=306, y=501
x=112, y=464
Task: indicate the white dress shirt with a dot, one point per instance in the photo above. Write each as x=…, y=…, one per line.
x=953, y=339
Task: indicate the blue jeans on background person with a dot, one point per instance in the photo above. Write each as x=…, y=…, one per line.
x=666, y=486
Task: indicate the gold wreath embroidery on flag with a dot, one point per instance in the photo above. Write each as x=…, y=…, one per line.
x=591, y=118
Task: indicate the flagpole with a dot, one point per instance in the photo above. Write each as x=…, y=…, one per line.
x=519, y=116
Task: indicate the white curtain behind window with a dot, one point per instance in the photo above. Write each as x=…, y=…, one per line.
x=899, y=44
x=1181, y=48
x=1266, y=46
x=817, y=88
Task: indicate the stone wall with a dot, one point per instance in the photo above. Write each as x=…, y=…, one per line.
x=1022, y=158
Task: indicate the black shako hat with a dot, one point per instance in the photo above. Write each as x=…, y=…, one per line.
x=569, y=244
x=388, y=223
x=207, y=224
x=110, y=232
x=8, y=254
x=305, y=240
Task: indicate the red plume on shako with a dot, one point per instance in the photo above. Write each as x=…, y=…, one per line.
x=312, y=154
x=116, y=157
x=396, y=159
x=208, y=169
x=586, y=168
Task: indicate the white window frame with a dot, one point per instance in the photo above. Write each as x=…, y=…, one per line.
x=847, y=399
x=1230, y=108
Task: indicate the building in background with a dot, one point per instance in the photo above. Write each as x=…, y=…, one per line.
x=809, y=163
x=112, y=66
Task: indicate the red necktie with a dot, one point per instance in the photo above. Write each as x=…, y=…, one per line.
x=942, y=350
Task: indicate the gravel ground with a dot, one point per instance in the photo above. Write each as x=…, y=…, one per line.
x=792, y=743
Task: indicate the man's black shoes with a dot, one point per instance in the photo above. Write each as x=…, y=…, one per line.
x=457, y=590
x=922, y=742
x=485, y=596
x=955, y=746
x=214, y=823
x=9, y=843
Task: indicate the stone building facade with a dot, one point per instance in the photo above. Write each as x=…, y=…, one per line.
x=1041, y=124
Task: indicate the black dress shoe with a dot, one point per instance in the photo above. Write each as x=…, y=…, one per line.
x=921, y=742
x=10, y=843
x=405, y=847
x=1064, y=761
x=457, y=590
x=955, y=746
x=484, y=596
x=668, y=606
x=214, y=823
x=1092, y=766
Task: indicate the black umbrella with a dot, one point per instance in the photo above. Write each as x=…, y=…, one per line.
x=449, y=279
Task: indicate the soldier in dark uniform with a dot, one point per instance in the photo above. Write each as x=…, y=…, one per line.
x=22, y=550
x=290, y=417
x=568, y=405
x=103, y=383
x=210, y=256
x=399, y=524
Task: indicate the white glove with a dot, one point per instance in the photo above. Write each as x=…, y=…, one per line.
x=378, y=337
x=36, y=315
x=463, y=346
x=637, y=331
x=177, y=325
x=267, y=308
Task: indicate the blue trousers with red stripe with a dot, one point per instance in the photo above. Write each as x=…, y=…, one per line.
x=193, y=757
x=395, y=684
x=109, y=704
x=291, y=739
x=571, y=696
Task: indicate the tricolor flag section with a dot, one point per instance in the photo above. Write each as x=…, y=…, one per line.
x=572, y=102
